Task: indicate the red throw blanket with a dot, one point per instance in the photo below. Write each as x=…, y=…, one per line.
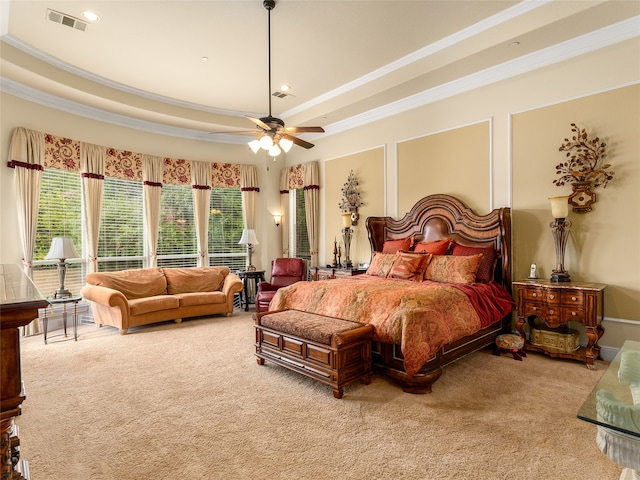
x=421, y=317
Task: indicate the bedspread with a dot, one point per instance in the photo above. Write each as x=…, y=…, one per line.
x=420, y=317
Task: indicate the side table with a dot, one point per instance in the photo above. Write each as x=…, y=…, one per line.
x=556, y=304
x=74, y=315
x=246, y=276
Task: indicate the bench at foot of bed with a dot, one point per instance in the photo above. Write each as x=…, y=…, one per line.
x=333, y=351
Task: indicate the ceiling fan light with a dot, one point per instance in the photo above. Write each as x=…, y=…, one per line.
x=274, y=151
x=286, y=144
x=254, y=145
x=266, y=142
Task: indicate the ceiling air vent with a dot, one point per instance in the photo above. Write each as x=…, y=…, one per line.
x=68, y=20
x=280, y=94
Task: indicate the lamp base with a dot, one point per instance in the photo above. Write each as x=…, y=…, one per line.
x=62, y=293
x=250, y=268
x=560, y=277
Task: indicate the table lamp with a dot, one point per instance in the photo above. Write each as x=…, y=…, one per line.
x=249, y=239
x=560, y=230
x=61, y=249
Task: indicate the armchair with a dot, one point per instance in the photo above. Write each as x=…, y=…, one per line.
x=284, y=272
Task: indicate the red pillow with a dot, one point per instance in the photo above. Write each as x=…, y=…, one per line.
x=485, y=270
x=409, y=266
x=437, y=247
x=392, y=246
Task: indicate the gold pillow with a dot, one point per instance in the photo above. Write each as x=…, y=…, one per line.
x=453, y=269
x=381, y=264
x=410, y=266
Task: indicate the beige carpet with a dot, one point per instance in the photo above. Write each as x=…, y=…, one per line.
x=189, y=401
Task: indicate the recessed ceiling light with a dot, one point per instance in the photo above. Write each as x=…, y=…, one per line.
x=284, y=88
x=92, y=17
x=204, y=59
x=514, y=44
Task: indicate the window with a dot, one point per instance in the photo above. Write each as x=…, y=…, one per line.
x=177, y=246
x=121, y=238
x=225, y=229
x=59, y=215
x=298, y=236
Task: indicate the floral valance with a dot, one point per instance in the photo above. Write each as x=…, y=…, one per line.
x=64, y=154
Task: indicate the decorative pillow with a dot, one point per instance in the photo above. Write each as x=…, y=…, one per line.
x=485, y=270
x=452, y=269
x=392, y=246
x=437, y=247
x=381, y=264
x=410, y=266
x=195, y=279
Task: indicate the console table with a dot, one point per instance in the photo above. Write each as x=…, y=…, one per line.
x=19, y=304
x=614, y=406
x=556, y=304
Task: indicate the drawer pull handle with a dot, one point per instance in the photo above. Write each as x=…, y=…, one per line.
x=551, y=312
x=534, y=295
x=535, y=308
x=552, y=296
x=574, y=314
x=575, y=299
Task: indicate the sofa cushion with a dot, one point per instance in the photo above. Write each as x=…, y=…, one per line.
x=190, y=280
x=204, y=298
x=136, y=283
x=140, y=306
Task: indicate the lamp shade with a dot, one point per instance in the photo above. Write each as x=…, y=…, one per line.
x=248, y=237
x=346, y=220
x=61, y=247
x=559, y=206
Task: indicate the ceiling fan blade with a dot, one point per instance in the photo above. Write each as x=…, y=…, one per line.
x=260, y=123
x=298, y=141
x=305, y=129
x=237, y=132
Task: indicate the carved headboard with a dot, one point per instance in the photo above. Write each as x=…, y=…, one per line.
x=440, y=216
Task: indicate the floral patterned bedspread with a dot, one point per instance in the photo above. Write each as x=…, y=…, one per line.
x=420, y=317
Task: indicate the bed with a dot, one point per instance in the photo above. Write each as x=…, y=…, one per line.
x=423, y=325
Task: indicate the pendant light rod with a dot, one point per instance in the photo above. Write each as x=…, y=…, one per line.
x=269, y=5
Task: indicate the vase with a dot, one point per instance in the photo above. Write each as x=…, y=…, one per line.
x=582, y=197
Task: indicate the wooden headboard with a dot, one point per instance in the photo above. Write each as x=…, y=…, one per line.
x=440, y=216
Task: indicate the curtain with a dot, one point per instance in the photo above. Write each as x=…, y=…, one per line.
x=152, y=168
x=312, y=207
x=26, y=156
x=284, y=209
x=92, y=159
x=249, y=186
x=201, y=184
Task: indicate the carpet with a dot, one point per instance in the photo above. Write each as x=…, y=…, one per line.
x=189, y=401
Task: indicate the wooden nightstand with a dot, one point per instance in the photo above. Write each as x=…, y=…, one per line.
x=556, y=304
x=330, y=273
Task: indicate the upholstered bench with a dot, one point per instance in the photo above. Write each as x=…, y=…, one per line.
x=333, y=351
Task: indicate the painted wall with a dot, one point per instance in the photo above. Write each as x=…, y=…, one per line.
x=592, y=89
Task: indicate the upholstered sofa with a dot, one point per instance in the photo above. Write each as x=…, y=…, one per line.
x=131, y=298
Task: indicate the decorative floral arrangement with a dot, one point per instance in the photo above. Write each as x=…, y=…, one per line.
x=350, y=195
x=585, y=160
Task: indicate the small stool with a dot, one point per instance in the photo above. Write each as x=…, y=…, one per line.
x=510, y=342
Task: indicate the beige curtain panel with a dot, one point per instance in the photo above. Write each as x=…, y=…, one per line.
x=201, y=188
x=26, y=157
x=92, y=158
x=249, y=186
x=152, y=168
x=284, y=210
x=312, y=207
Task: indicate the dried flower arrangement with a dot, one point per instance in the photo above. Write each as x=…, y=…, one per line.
x=351, y=198
x=585, y=160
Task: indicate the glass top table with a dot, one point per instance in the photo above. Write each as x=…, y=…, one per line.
x=615, y=400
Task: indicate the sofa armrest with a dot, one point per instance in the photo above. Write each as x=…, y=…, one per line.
x=109, y=306
x=232, y=284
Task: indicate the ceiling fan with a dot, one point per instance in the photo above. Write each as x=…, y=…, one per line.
x=273, y=135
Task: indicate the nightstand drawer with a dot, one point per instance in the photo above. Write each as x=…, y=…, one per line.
x=550, y=314
x=542, y=295
x=570, y=314
x=573, y=298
